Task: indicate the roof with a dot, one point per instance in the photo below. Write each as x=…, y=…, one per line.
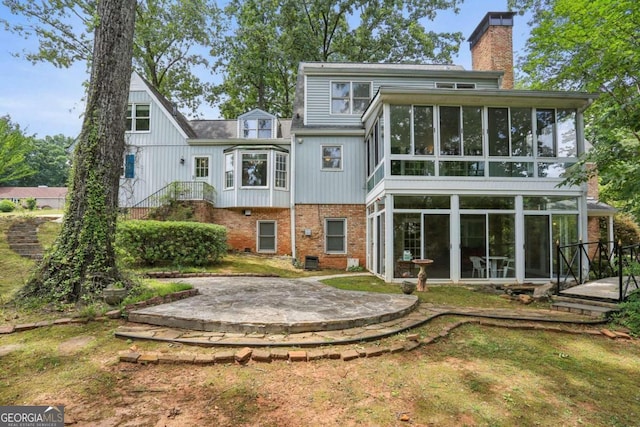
x=171, y=109
x=598, y=208
x=35, y=192
x=228, y=129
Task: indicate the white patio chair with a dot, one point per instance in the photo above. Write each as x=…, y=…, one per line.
x=478, y=266
x=506, y=266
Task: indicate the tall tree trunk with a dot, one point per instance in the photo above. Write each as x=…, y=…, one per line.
x=82, y=262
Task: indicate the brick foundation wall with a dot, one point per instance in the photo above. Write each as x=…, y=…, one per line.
x=313, y=217
x=242, y=229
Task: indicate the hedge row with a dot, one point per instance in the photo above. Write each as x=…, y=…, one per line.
x=167, y=242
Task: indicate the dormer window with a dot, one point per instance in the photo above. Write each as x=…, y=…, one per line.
x=257, y=128
x=257, y=124
x=350, y=97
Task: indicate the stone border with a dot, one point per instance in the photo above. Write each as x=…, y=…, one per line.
x=266, y=355
x=113, y=314
x=175, y=296
x=180, y=275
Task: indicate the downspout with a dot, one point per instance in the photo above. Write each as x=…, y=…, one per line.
x=292, y=201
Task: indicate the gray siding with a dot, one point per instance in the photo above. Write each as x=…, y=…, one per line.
x=318, y=95
x=163, y=130
x=314, y=185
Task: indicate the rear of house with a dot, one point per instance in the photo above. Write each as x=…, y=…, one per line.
x=383, y=164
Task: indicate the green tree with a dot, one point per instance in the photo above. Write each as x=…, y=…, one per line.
x=50, y=160
x=15, y=147
x=168, y=36
x=82, y=261
x=274, y=36
x=594, y=46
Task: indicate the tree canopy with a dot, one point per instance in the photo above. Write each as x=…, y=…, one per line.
x=15, y=147
x=261, y=57
x=171, y=37
x=594, y=46
x=50, y=160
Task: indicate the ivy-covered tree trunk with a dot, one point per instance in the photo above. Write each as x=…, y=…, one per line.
x=82, y=262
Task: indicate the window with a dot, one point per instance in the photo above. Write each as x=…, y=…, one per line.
x=254, y=169
x=498, y=119
x=400, y=129
x=350, y=97
x=266, y=236
x=450, y=131
x=546, y=131
x=257, y=128
x=281, y=171
x=129, y=165
x=331, y=157
x=228, y=170
x=521, y=132
x=423, y=130
x=447, y=85
x=138, y=117
x=472, y=131
x=201, y=168
x=335, y=236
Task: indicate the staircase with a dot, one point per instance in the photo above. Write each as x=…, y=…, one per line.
x=22, y=237
x=583, y=306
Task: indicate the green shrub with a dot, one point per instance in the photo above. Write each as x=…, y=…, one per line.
x=30, y=203
x=7, y=206
x=168, y=242
x=626, y=229
x=629, y=314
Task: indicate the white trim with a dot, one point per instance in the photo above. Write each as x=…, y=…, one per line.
x=206, y=179
x=330, y=169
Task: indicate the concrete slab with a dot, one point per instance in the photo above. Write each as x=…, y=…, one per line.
x=608, y=288
x=273, y=306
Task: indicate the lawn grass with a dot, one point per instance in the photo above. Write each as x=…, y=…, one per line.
x=475, y=376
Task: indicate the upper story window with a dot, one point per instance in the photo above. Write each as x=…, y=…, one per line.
x=267, y=167
x=281, y=170
x=228, y=170
x=254, y=169
x=138, y=117
x=332, y=157
x=518, y=142
x=350, y=97
x=257, y=128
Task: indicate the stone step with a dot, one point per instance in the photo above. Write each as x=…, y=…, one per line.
x=584, y=309
x=584, y=301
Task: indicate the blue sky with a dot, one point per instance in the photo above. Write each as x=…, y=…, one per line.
x=45, y=100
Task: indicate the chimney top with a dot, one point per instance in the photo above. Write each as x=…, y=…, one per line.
x=504, y=19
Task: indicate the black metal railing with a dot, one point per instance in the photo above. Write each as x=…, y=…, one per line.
x=176, y=191
x=628, y=269
x=578, y=263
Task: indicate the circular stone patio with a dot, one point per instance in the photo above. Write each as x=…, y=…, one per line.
x=273, y=305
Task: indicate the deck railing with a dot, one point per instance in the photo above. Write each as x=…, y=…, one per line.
x=581, y=262
x=176, y=191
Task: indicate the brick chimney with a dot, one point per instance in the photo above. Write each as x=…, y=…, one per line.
x=492, y=46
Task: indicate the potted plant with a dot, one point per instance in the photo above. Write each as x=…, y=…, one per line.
x=115, y=293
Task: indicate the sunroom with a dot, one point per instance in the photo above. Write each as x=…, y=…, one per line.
x=473, y=181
